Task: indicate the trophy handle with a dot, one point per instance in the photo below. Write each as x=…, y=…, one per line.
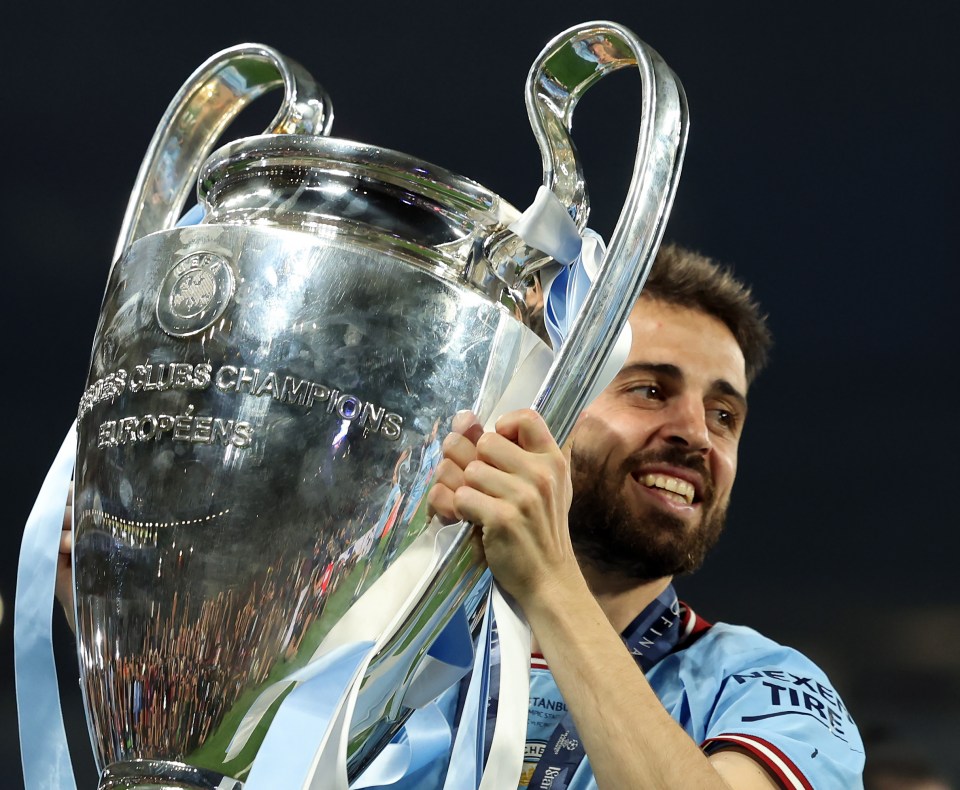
x=203, y=108
x=566, y=68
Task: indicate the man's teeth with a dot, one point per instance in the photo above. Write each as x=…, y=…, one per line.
x=674, y=485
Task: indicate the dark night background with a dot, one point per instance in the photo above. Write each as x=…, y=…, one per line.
x=821, y=164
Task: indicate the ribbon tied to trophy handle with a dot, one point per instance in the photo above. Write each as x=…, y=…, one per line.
x=566, y=68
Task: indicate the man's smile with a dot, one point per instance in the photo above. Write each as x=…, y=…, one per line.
x=672, y=487
x=677, y=488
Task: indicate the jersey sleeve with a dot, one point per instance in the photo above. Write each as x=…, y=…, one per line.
x=776, y=705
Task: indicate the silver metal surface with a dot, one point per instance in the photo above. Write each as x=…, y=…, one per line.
x=163, y=775
x=268, y=391
x=380, y=198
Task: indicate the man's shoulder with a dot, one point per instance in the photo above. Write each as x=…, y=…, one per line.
x=733, y=687
x=726, y=648
x=729, y=663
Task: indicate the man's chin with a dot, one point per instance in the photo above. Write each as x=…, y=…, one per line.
x=621, y=526
x=644, y=543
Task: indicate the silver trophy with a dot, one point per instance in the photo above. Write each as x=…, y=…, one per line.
x=268, y=389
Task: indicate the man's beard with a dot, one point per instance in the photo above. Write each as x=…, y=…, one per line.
x=641, y=546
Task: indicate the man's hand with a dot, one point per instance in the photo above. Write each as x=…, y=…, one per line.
x=515, y=486
x=64, y=585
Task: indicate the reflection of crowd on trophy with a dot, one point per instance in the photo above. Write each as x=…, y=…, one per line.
x=163, y=681
x=187, y=668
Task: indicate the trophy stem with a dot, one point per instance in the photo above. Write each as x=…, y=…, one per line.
x=163, y=775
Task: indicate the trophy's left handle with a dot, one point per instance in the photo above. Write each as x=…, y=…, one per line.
x=200, y=112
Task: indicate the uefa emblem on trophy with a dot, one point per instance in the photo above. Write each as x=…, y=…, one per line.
x=269, y=384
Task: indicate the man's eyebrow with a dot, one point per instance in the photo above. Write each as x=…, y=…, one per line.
x=662, y=369
x=726, y=388
x=674, y=372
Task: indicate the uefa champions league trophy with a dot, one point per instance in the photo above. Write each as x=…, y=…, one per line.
x=268, y=389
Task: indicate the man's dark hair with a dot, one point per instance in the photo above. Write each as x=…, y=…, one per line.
x=688, y=279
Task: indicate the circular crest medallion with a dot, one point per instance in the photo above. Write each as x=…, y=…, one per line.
x=194, y=294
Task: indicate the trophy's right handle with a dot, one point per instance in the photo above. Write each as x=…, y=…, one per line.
x=566, y=68
x=203, y=108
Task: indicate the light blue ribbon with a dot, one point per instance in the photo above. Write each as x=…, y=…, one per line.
x=44, y=752
x=466, y=759
x=193, y=217
x=43, y=741
x=546, y=226
x=424, y=739
x=454, y=646
x=302, y=722
x=448, y=660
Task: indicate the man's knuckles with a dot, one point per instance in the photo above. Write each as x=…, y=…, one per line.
x=459, y=449
x=449, y=473
x=489, y=446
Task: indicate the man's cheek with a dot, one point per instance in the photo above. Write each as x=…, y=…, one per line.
x=600, y=430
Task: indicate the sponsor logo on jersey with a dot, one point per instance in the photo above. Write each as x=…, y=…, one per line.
x=796, y=695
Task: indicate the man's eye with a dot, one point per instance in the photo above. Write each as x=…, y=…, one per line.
x=647, y=391
x=725, y=419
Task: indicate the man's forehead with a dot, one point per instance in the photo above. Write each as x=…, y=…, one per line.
x=694, y=342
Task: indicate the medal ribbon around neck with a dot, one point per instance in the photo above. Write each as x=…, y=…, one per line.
x=654, y=633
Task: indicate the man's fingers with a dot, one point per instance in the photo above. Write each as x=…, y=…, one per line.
x=459, y=450
x=473, y=433
x=480, y=508
x=440, y=503
x=519, y=436
x=66, y=542
x=493, y=473
x=462, y=421
x=527, y=429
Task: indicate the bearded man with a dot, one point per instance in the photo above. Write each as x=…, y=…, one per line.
x=629, y=687
x=641, y=693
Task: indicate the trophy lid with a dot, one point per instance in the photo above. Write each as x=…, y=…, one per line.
x=381, y=198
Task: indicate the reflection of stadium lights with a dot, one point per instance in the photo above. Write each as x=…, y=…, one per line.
x=335, y=190
x=341, y=434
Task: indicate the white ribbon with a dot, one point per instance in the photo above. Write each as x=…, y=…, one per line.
x=546, y=226
x=505, y=760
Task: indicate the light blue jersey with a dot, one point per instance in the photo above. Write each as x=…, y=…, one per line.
x=728, y=687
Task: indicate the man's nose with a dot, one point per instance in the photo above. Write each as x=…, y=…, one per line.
x=686, y=425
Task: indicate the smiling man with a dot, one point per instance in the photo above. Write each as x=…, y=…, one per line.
x=629, y=688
